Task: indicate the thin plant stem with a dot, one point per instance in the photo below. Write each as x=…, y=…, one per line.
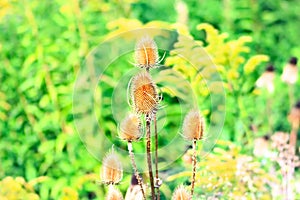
x=136, y=173
x=194, y=166
x=149, y=160
x=156, y=156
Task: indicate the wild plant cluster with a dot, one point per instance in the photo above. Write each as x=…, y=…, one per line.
x=145, y=105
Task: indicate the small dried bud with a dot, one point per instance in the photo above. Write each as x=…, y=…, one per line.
x=114, y=194
x=266, y=79
x=181, y=194
x=112, y=170
x=144, y=95
x=193, y=126
x=146, y=54
x=290, y=72
x=130, y=128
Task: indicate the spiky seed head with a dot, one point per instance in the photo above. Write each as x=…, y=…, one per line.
x=112, y=170
x=193, y=126
x=181, y=194
x=114, y=194
x=146, y=54
x=130, y=128
x=143, y=92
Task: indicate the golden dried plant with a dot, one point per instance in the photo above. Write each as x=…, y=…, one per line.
x=146, y=54
x=130, y=128
x=144, y=93
x=112, y=169
x=193, y=126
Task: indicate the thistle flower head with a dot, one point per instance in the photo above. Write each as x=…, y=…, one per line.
x=114, y=194
x=130, y=128
x=144, y=94
x=193, y=126
x=112, y=170
x=181, y=194
x=146, y=54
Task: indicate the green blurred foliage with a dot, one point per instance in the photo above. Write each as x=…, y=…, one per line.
x=43, y=43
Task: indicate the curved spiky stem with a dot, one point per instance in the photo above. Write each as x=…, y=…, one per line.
x=136, y=173
x=149, y=160
x=156, y=156
x=194, y=166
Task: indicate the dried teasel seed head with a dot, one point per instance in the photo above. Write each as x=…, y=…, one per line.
x=181, y=194
x=112, y=170
x=130, y=128
x=114, y=194
x=146, y=54
x=193, y=126
x=143, y=93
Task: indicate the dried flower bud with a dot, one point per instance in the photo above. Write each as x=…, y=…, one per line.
x=144, y=95
x=112, y=170
x=130, y=128
x=114, y=194
x=181, y=194
x=290, y=72
x=146, y=54
x=193, y=126
x=266, y=79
